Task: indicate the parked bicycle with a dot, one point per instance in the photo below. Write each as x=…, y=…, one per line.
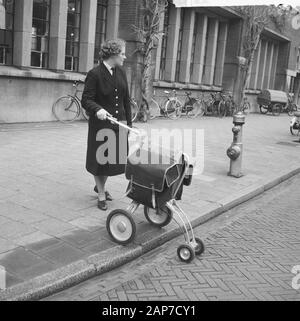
x=170, y=107
x=228, y=107
x=209, y=106
x=139, y=112
x=68, y=108
x=290, y=107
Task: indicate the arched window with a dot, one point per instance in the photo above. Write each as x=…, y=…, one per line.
x=6, y=31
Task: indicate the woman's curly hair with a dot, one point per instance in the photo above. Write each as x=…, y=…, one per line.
x=111, y=48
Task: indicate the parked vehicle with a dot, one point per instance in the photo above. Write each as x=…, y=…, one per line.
x=295, y=124
x=68, y=108
x=170, y=107
x=272, y=101
x=290, y=107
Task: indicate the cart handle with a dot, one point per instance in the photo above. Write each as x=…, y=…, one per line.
x=115, y=121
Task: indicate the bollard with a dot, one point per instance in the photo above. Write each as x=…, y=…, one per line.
x=235, y=151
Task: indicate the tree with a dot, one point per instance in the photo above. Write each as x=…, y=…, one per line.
x=256, y=19
x=148, y=36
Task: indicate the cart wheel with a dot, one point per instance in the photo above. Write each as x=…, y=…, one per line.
x=200, y=248
x=263, y=109
x=121, y=227
x=160, y=217
x=276, y=109
x=186, y=253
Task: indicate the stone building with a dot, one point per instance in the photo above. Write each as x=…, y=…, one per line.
x=47, y=44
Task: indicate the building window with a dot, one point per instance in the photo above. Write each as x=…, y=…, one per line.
x=6, y=31
x=73, y=35
x=164, y=45
x=40, y=33
x=179, y=51
x=100, y=27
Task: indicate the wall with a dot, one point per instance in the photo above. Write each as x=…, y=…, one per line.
x=30, y=100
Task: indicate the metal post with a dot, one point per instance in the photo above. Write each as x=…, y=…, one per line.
x=235, y=151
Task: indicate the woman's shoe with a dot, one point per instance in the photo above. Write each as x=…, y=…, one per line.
x=102, y=205
x=107, y=194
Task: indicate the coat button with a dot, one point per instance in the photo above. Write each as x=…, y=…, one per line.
x=117, y=105
x=117, y=97
x=117, y=112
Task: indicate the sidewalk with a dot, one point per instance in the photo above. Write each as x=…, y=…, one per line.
x=51, y=233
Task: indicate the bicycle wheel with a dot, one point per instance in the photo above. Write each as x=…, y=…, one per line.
x=154, y=109
x=222, y=109
x=66, y=109
x=263, y=109
x=134, y=110
x=173, y=109
x=195, y=110
x=276, y=109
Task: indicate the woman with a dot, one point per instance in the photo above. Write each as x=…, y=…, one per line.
x=106, y=93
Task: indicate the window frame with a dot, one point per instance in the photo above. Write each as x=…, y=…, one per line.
x=179, y=47
x=11, y=31
x=103, y=6
x=73, y=57
x=40, y=52
x=164, y=45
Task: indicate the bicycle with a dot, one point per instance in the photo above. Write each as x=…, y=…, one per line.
x=226, y=106
x=170, y=108
x=68, y=108
x=290, y=107
x=209, y=106
x=192, y=107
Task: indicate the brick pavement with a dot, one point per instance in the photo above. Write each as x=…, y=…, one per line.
x=249, y=255
x=48, y=214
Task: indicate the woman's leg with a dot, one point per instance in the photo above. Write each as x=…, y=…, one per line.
x=100, y=182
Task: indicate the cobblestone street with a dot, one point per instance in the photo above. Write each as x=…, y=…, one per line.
x=250, y=252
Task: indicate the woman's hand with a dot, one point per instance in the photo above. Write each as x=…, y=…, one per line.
x=102, y=114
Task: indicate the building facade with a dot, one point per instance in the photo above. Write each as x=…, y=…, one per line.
x=47, y=44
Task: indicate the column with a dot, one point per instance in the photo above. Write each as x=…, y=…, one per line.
x=274, y=67
x=172, y=48
x=211, y=52
x=113, y=16
x=200, y=50
x=262, y=64
x=87, y=35
x=254, y=68
x=270, y=66
x=222, y=40
x=23, y=33
x=58, y=31
x=187, y=43
x=282, y=65
x=267, y=65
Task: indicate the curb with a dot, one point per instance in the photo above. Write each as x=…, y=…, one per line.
x=97, y=264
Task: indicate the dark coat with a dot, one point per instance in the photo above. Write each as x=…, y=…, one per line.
x=102, y=90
